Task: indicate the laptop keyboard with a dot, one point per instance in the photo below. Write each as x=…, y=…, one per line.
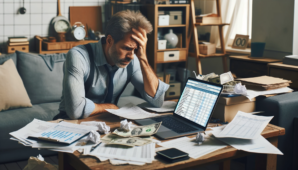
x=174, y=124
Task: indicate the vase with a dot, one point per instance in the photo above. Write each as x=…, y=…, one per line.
x=172, y=39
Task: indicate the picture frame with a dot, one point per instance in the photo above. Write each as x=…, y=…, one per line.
x=240, y=41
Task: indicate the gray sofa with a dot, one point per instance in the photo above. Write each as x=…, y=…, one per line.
x=42, y=76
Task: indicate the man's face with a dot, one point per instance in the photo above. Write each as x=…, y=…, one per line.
x=122, y=52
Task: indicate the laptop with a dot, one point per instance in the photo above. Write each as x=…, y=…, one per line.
x=192, y=112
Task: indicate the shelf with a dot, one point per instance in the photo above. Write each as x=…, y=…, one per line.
x=168, y=5
x=167, y=26
x=171, y=61
x=207, y=56
x=172, y=49
x=200, y=24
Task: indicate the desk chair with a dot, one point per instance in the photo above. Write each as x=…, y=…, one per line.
x=284, y=108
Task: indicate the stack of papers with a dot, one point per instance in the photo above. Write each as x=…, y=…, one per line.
x=244, y=133
x=68, y=137
x=264, y=83
x=118, y=154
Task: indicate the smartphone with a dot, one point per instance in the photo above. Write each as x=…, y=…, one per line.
x=173, y=155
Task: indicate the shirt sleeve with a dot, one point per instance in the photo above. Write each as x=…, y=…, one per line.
x=75, y=70
x=137, y=81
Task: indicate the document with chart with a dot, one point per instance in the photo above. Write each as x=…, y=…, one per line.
x=244, y=126
x=64, y=132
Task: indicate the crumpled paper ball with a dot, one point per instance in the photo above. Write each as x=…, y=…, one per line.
x=200, y=138
x=93, y=137
x=102, y=127
x=125, y=125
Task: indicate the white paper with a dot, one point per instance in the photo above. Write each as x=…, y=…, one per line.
x=131, y=112
x=226, y=77
x=168, y=106
x=252, y=93
x=244, y=126
x=257, y=145
x=194, y=150
x=121, y=162
x=31, y=128
x=65, y=132
x=143, y=153
x=101, y=126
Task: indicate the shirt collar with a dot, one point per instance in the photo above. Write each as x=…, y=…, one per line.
x=100, y=58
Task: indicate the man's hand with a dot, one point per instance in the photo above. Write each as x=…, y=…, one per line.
x=101, y=108
x=140, y=36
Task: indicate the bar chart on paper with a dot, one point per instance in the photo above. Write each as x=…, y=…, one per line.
x=197, y=101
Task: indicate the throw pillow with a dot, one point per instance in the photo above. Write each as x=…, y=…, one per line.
x=42, y=76
x=12, y=91
x=5, y=57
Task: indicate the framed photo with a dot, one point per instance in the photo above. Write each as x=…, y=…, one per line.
x=240, y=41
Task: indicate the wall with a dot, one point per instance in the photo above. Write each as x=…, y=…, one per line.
x=295, y=32
x=208, y=64
x=272, y=22
x=37, y=18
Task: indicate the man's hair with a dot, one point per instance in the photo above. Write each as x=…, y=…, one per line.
x=122, y=22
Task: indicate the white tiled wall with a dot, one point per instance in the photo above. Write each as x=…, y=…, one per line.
x=37, y=18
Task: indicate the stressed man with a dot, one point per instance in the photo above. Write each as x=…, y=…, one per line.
x=96, y=74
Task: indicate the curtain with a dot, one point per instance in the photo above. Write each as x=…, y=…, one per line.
x=237, y=14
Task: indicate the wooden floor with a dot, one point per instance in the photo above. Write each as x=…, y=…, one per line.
x=54, y=160
x=21, y=164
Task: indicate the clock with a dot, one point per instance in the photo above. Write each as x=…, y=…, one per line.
x=78, y=31
x=240, y=41
x=62, y=26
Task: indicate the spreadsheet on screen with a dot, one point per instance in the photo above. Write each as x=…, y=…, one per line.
x=197, y=101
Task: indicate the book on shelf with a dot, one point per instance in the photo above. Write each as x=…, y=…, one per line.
x=17, y=39
x=208, y=19
x=19, y=43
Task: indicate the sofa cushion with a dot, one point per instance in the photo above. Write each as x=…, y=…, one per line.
x=42, y=83
x=12, y=91
x=6, y=57
x=12, y=120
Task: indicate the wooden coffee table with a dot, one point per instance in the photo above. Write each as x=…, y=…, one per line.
x=223, y=156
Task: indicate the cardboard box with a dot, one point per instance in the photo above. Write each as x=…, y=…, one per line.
x=175, y=17
x=162, y=44
x=207, y=49
x=227, y=107
x=14, y=48
x=174, y=90
x=163, y=20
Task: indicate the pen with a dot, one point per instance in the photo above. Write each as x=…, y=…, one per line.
x=92, y=149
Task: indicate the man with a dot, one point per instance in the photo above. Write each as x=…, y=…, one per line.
x=120, y=57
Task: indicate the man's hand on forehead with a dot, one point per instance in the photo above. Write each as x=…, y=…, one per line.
x=140, y=36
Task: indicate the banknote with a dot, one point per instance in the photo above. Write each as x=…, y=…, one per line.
x=131, y=141
x=214, y=80
x=226, y=77
x=147, y=130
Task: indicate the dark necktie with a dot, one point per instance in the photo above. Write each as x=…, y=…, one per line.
x=109, y=95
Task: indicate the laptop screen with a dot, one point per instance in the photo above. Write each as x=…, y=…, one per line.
x=197, y=101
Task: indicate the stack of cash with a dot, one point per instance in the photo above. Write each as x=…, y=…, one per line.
x=133, y=136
